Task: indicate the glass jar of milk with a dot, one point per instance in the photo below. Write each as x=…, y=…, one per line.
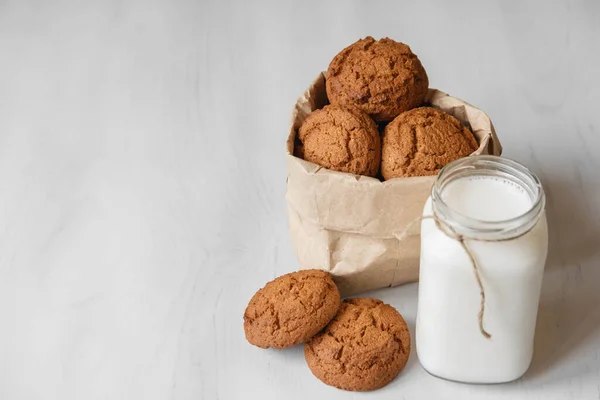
x=495, y=206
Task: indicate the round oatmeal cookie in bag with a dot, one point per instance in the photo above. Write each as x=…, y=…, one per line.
x=341, y=138
x=381, y=77
x=421, y=141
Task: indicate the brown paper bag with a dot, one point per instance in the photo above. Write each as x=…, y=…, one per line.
x=348, y=224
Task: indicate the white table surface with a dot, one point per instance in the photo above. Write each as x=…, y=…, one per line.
x=142, y=184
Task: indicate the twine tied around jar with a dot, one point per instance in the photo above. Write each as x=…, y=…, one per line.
x=449, y=231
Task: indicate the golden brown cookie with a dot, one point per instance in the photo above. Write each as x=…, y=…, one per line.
x=364, y=348
x=382, y=77
x=291, y=309
x=343, y=139
x=421, y=141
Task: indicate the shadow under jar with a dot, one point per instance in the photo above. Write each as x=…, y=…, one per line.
x=491, y=209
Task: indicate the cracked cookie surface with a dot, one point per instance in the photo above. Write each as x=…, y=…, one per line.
x=341, y=138
x=291, y=309
x=421, y=141
x=382, y=77
x=363, y=348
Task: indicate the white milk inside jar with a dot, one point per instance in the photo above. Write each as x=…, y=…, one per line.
x=496, y=207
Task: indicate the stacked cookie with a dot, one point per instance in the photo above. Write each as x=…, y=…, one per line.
x=380, y=85
x=358, y=344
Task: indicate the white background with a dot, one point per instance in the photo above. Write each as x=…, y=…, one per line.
x=142, y=184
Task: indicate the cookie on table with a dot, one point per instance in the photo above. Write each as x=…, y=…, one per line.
x=291, y=309
x=364, y=348
x=382, y=77
x=421, y=141
x=341, y=138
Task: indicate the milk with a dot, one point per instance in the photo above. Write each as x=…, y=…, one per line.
x=448, y=339
x=487, y=198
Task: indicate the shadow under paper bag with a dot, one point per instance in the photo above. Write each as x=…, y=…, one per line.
x=348, y=224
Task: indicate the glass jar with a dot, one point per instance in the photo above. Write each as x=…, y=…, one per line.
x=481, y=268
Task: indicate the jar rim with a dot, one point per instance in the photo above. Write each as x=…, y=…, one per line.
x=489, y=165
